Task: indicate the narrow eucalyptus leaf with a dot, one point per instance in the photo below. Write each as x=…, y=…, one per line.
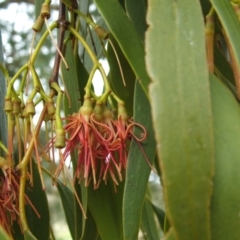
x=105, y=205
x=148, y=223
x=225, y=207
x=138, y=170
x=67, y=199
x=137, y=10
x=182, y=115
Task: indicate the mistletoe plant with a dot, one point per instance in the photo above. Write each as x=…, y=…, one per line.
x=169, y=105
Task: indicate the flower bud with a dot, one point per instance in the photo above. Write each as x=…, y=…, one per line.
x=102, y=34
x=17, y=106
x=98, y=112
x=29, y=108
x=60, y=138
x=45, y=11
x=51, y=108
x=37, y=26
x=86, y=109
x=8, y=105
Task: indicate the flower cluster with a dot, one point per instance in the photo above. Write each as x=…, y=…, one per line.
x=9, y=198
x=102, y=142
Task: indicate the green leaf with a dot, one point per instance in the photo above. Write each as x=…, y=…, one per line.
x=181, y=109
x=91, y=229
x=130, y=42
x=223, y=66
x=83, y=6
x=138, y=170
x=148, y=223
x=225, y=207
x=70, y=79
x=16, y=231
x=82, y=76
x=39, y=226
x=230, y=24
x=29, y=236
x=126, y=93
x=136, y=10
x=105, y=206
x=161, y=218
x=67, y=199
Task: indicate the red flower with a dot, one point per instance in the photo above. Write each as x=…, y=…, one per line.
x=102, y=143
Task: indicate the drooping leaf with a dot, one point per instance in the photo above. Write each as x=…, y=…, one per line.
x=148, y=223
x=223, y=66
x=39, y=226
x=29, y=236
x=181, y=109
x=105, y=206
x=161, y=218
x=225, y=208
x=136, y=10
x=82, y=76
x=83, y=6
x=138, y=170
x=91, y=231
x=67, y=199
x=16, y=232
x=126, y=93
x=130, y=42
x=70, y=79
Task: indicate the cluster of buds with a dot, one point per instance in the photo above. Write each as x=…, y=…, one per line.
x=101, y=140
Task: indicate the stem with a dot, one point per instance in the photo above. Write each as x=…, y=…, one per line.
x=42, y=39
x=33, y=58
x=62, y=23
x=23, y=168
x=93, y=57
x=58, y=120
